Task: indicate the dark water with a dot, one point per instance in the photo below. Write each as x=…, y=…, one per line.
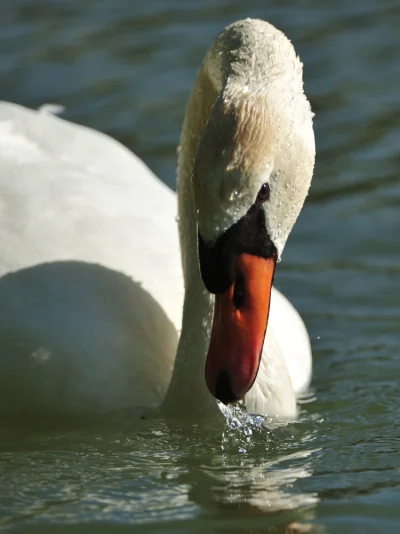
x=126, y=67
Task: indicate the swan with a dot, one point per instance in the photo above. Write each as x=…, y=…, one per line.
x=117, y=294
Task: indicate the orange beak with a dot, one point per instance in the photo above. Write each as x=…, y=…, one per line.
x=238, y=330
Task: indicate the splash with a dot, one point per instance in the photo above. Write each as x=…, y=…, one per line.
x=243, y=429
x=245, y=432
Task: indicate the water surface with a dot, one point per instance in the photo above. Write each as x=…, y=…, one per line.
x=126, y=68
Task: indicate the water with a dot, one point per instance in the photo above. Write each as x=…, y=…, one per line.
x=126, y=68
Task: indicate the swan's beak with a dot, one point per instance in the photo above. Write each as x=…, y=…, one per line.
x=238, y=330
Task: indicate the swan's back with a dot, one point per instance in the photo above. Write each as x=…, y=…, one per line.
x=70, y=193
x=89, y=240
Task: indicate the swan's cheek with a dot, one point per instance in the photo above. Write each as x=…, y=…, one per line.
x=238, y=331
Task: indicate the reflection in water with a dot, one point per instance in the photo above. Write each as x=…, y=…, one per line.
x=266, y=486
x=252, y=491
x=248, y=470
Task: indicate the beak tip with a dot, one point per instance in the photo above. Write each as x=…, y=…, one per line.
x=223, y=388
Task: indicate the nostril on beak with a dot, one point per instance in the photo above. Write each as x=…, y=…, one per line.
x=223, y=390
x=238, y=291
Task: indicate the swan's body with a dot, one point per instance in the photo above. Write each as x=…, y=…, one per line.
x=91, y=287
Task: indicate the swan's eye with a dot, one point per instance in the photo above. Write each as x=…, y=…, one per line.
x=263, y=194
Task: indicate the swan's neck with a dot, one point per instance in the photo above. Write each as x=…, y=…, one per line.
x=188, y=390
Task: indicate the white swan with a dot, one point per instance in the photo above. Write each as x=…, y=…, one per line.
x=91, y=288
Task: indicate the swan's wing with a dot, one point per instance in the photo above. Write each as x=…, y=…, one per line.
x=70, y=193
x=293, y=341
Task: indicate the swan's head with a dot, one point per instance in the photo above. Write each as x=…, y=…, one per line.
x=252, y=171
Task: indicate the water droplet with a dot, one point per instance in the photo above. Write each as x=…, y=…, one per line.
x=246, y=89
